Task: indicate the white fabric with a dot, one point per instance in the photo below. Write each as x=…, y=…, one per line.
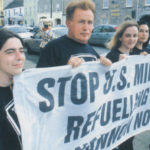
x=82, y=108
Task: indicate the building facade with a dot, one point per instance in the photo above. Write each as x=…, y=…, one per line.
x=115, y=11
x=50, y=9
x=14, y=12
x=31, y=12
x=1, y=13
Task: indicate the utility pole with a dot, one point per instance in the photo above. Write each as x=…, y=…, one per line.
x=137, y=10
x=51, y=9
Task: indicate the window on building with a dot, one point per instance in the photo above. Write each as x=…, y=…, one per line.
x=147, y=2
x=57, y=7
x=105, y=3
x=34, y=10
x=128, y=3
x=30, y=11
x=5, y=13
x=20, y=11
x=9, y=13
x=14, y=12
x=104, y=20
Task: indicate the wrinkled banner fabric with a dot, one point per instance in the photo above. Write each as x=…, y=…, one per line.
x=91, y=107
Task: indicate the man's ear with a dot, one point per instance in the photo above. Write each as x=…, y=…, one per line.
x=68, y=22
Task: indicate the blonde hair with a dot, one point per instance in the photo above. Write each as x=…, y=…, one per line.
x=115, y=42
x=82, y=4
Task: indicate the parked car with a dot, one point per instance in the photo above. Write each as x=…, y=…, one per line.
x=35, y=29
x=20, y=30
x=102, y=34
x=33, y=44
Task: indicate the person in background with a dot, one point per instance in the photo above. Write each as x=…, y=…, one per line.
x=46, y=33
x=12, y=59
x=143, y=39
x=142, y=140
x=121, y=44
x=123, y=41
x=73, y=48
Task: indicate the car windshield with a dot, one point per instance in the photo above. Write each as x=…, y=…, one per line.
x=60, y=31
x=17, y=29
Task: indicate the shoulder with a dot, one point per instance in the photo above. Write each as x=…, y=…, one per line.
x=113, y=55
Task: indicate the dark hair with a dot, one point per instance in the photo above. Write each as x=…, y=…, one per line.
x=5, y=35
x=82, y=4
x=142, y=22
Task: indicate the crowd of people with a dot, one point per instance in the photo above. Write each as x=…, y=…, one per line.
x=131, y=38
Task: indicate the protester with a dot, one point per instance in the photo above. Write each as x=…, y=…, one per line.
x=142, y=140
x=143, y=39
x=121, y=44
x=11, y=63
x=73, y=48
x=123, y=41
x=46, y=33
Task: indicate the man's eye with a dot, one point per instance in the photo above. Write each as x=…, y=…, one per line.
x=90, y=22
x=10, y=52
x=22, y=50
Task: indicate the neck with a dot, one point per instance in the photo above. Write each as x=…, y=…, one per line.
x=5, y=80
x=124, y=50
x=139, y=45
x=76, y=40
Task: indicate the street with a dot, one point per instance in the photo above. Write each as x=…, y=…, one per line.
x=31, y=60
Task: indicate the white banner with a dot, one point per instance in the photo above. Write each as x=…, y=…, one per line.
x=89, y=107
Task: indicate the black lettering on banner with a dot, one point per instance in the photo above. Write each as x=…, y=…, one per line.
x=121, y=85
x=109, y=78
x=97, y=115
x=125, y=107
x=87, y=124
x=142, y=73
x=118, y=132
x=62, y=82
x=116, y=109
x=106, y=114
x=125, y=129
x=94, y=84
x=74, y=123
x=101, y=142
x=85, y=147
x=141, y=97
x=138, y=74
x=107, y=139
x=79, y=78
x=142, y=119
x=46, y=94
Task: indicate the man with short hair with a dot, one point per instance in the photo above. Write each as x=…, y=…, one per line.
x=73, y=48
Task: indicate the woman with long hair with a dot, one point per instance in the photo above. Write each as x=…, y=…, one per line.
x=121, y=45
x=123, y=41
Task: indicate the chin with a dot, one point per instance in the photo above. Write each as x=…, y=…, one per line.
x=16, y=72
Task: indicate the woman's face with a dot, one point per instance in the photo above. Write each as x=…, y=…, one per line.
x=12, y=57
x=143, y=33
x=129, y=37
